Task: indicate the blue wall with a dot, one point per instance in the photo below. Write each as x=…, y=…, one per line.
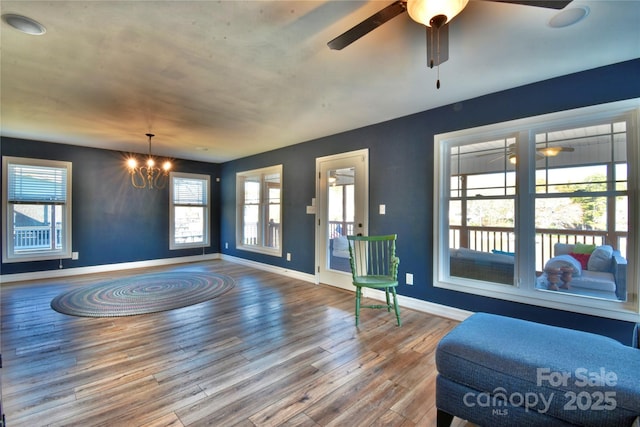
x=401, y=177
x=112, y=222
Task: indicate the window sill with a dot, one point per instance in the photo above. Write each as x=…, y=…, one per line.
x=176, y=247
x=619, y=310
x=36, y=257
x=260, y=250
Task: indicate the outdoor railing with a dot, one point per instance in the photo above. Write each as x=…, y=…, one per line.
x=487, y=239
x=340, y=228
x=36, y=237
x=272, y=238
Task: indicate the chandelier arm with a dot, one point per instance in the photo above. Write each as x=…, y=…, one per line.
x=158, y=181
x=137, y=172
x=150, y=179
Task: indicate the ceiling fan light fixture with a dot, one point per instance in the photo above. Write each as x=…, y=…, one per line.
x=568, y=17
x=24, y=24
x=429, y=12
x=550, y=151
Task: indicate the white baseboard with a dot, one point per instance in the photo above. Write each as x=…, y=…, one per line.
x=423, y=306
x=77, y=271
x=271, y=268
x=404, y=301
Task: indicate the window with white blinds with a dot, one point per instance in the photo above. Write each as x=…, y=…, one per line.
x=189, y=213
x=28, y=183
x=37, y=209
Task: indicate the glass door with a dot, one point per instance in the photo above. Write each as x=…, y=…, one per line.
x=342, y=211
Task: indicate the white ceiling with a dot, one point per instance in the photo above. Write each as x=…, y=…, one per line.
x=219, y=80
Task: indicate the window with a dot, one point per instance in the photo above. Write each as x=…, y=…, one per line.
x=259, y=210
x=37, y=209
x=189, y=211
x=521, y=203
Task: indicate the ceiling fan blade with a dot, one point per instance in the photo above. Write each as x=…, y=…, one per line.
x=368, y=25
x=437, y=45
x=549, y=4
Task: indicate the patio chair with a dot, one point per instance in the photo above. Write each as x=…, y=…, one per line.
x=374, y=265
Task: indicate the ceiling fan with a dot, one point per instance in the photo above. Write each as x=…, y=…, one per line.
x=435, y=15
x=541, y=153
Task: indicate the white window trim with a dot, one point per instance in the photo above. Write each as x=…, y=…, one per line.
x=8, y=255
x=522, y=292
x=239, y=211
x=206, y=238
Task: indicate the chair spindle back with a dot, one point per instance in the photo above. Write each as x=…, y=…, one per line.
x=373, y=256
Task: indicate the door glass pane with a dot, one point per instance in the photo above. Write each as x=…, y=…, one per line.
x=341, y=208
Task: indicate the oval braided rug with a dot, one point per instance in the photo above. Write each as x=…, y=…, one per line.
x=146, y=293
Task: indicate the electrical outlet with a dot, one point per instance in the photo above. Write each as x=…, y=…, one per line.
x=383, y=209
x=409, y=279
x=226, y=245
x=75, y=255
x=288, y=256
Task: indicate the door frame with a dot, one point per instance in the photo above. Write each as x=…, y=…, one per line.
x=332, y=277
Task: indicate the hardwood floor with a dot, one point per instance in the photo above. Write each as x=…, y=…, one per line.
x=272, y=351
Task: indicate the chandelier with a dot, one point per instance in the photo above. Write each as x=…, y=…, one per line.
x=148, y=175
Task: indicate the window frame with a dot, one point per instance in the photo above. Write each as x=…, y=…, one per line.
x=263, y=207
x=173, y=245
x=9, y=254
x=523, y=289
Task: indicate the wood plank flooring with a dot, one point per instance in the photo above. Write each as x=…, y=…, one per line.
x=272, y=351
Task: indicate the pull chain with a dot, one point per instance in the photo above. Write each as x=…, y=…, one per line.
x=430, y=39
x=438, y=56
x=436, y=23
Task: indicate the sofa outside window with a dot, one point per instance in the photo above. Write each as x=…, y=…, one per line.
x=598, y=271
x=490, y=266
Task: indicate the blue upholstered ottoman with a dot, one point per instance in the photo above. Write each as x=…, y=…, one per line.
x=500, y=371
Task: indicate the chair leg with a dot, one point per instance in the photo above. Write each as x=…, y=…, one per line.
x=358, y=295
x=386, y=292
x=444, y=419
x=396, y=307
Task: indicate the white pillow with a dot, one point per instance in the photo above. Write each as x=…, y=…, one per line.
x=600, y=259
x=563, y=249
x=565, y=261
x=341, y=244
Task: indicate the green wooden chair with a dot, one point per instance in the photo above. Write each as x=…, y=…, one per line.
x=374, y=264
